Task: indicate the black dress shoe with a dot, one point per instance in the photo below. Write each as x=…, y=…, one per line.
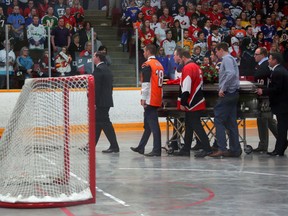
x=196, y=147
x=140, y=151
x=152, y=154
x=275, y=153
x=202, y=154
x=110, y=150
x=260, y=150
x=182, y=153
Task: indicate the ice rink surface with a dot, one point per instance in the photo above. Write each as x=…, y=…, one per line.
x=131, y=184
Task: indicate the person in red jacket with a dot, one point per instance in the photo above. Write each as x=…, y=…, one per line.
x=193, y=103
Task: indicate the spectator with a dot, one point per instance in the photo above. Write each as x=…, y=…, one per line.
x=85, y=33
x=69, y=20
x=276, y=10
x=11, y=62
x=43, y=65
x=190, y=9
x=207, y=28
x=202, y=43
x=43, y=6
x=176, y=31
x=29, y=18
x=176, y=6
x=77, y=9
x=154, y=22
x=59, y=8
x=2, y=25
x=103, y=49
x=85, y=59
x=27, y=10
x=250, y=12
x=139, y=21
x=259, y=20
x=269, y=30
x=228, y=16
x=160, y=10
x=244, y=20
x=60, y=36
x=156, y=4
x=36, y=34
x=74, y=49
x=255, y=28
x=78, y=12
x=234, y=49
x=214, y=36
x=188, y=44
x=248, y=47
x=282, y=32
x=162, y=58
x=62, y=62
x=166, y=17
x=199, y=16
x=49, y=20
x=261, y=42
x=215, y=16
x=223, y=29
x=130, y=14
x=168, y=44
x=147, y=10
x=196, y=56
x=235, y=9
x=160, y=33
x=17, y=23
x=194, y=29
x=238, y=23
x=97, y=42
x=24, y=66
x=146, y=35
x=10, y=9
x=183, y=19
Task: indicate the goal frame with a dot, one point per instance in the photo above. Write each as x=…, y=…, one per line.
x=91, y=146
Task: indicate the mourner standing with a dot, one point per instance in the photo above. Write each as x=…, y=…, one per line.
x=151, y=99
x=104, y=100
x=278, y=95
x=192, y=102
x=225, y=109
x=262, y=75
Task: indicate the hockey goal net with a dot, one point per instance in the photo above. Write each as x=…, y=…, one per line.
x=47, y=151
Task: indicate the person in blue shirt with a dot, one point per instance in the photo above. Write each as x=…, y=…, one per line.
x=17, y=22
x=162, y=58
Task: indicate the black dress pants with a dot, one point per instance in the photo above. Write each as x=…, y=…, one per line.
x=282, y=127
x=193, y=124
x=103, y=123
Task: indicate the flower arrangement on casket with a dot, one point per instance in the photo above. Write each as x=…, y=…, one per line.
x=210, y=74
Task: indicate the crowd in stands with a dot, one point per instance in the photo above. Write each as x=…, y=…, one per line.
x=28, y=24
x=198, y=25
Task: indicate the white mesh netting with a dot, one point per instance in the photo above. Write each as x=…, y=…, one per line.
x=41, y=150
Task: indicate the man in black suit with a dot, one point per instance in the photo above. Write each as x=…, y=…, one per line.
x=278, y=96
x=103, y=87
x=262, y=75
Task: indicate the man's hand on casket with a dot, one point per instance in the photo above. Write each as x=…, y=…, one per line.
x=259, y=91
x=221, y=93
x=182, y=107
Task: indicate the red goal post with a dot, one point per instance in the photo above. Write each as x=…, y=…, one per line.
x=47, y=151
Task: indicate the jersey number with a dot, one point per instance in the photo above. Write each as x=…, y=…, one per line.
x=160, y=75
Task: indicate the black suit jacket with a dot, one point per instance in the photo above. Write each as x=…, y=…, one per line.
x=278, y=90
x=262, y=72
x=103, y=85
